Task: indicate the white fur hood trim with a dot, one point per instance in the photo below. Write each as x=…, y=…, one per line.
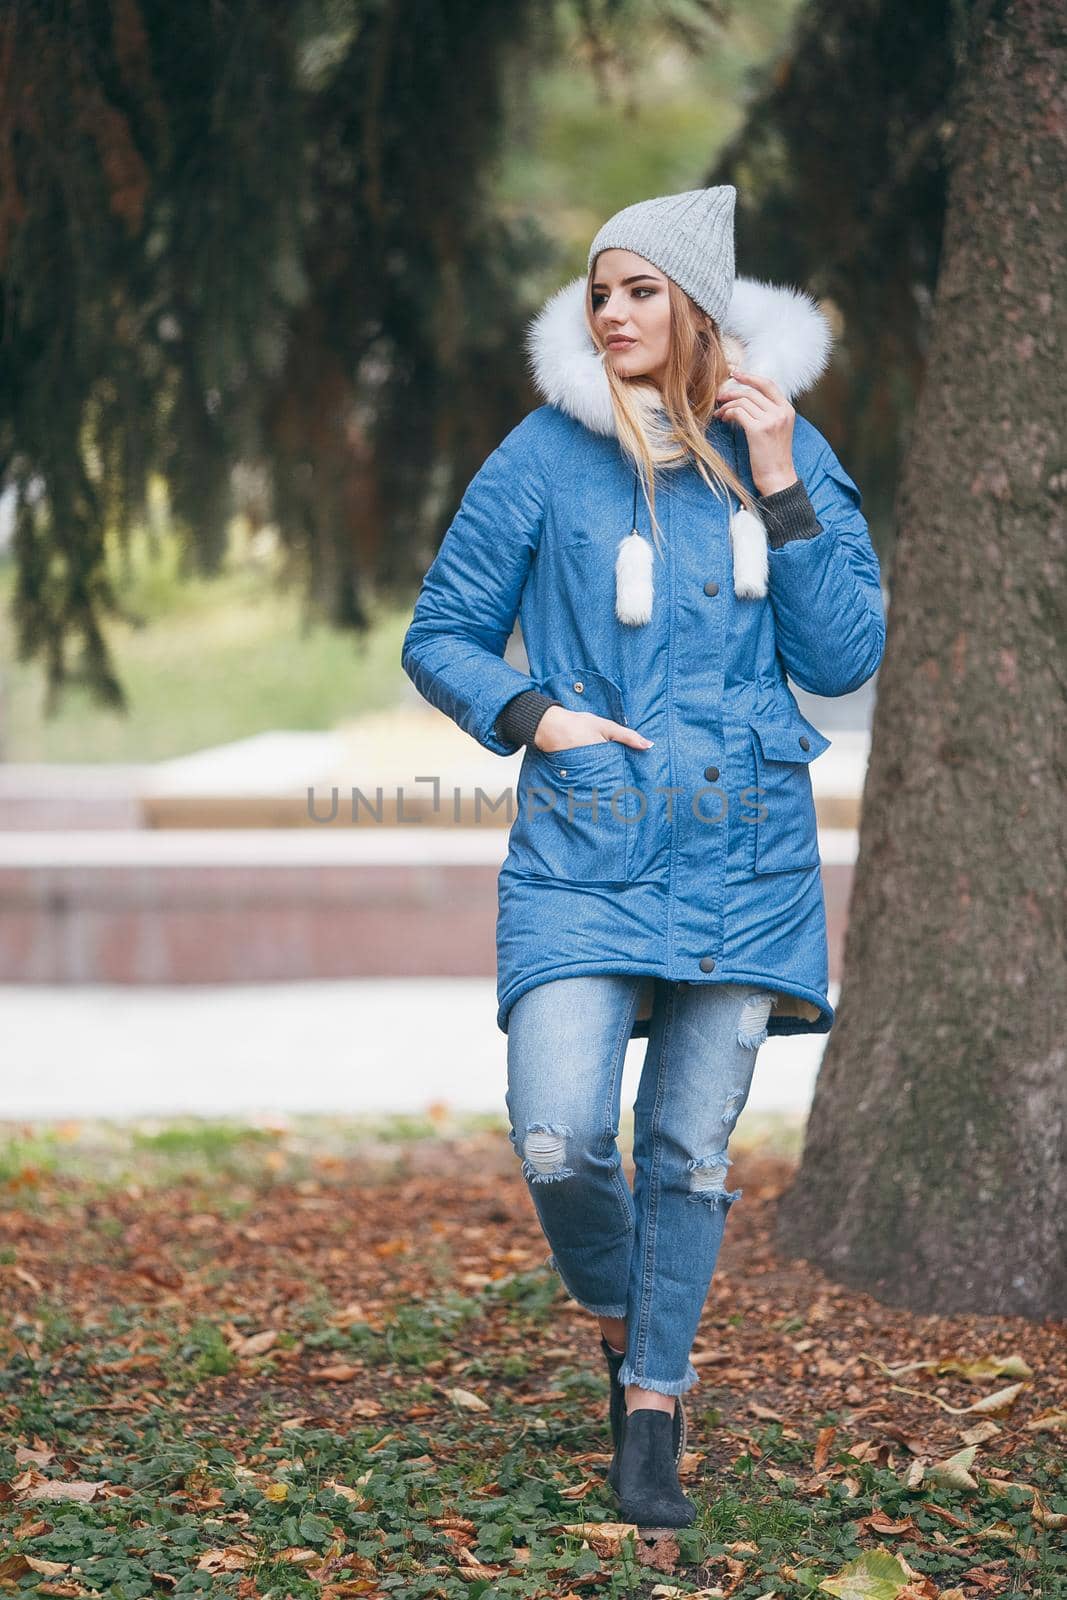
x=770, y=329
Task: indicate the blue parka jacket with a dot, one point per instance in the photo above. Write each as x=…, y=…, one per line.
x=696, y=860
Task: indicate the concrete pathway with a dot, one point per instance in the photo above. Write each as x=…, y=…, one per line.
x=374, y=1045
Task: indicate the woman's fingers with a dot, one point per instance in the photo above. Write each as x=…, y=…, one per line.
x=736, y=408
x=624, y=735
x=726, y=394
x=560, y=729
x=766, y=386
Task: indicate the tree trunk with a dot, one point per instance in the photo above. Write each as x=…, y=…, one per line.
x=934, y=1171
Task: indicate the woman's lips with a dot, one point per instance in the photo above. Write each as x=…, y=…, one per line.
x=620, y=344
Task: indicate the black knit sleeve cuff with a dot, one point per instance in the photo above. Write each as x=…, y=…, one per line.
x=517, y=722
x=789, y=514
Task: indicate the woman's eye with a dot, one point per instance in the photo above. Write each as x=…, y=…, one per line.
x=598, y=299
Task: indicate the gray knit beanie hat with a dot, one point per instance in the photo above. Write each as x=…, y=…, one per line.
x=688, y=236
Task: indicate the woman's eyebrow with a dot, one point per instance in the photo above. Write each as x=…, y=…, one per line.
x=637, y=277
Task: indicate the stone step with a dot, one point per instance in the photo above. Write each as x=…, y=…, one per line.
x=64, y=795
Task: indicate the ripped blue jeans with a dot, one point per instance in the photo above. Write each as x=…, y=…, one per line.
x=648, y=1255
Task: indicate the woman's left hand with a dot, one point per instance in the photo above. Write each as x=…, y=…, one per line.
x=767, y=418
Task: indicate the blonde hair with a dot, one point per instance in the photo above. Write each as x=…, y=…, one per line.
x=663, y=426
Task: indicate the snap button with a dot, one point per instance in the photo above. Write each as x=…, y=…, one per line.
x=578, y=687
x=707, y=963
x=711, y=587
x=711, y=773
x=805, y=742
x=563, y=772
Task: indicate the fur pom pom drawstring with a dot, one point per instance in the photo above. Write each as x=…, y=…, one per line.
x=748, y=537
x=633, y=574
x=633, y=579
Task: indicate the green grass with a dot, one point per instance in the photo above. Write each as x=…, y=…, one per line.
x=216, y=659
x=228, y=1152
x=185, y=1492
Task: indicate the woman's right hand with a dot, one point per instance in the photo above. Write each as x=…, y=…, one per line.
x=560, y=729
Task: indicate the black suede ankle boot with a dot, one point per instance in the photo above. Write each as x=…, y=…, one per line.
x=617, y=1414
x=649, y=1492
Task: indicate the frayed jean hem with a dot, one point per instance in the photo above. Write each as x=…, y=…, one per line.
x=629, y=1374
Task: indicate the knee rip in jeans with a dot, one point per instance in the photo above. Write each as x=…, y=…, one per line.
x=708, y=1179
x=544, y=1152
x=752, y=1029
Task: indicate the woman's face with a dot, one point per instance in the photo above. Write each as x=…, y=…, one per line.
x=632, y=312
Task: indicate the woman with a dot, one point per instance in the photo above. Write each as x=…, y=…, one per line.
x=674, y=539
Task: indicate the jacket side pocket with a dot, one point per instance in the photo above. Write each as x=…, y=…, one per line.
x=787, y=838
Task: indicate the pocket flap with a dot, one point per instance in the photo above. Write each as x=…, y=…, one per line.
x=580, y=689
x=799, y=740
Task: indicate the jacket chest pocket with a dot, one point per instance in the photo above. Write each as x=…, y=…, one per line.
x=572, y=815
x=786, y=831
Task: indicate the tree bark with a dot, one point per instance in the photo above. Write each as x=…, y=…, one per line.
x=934, y=1171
